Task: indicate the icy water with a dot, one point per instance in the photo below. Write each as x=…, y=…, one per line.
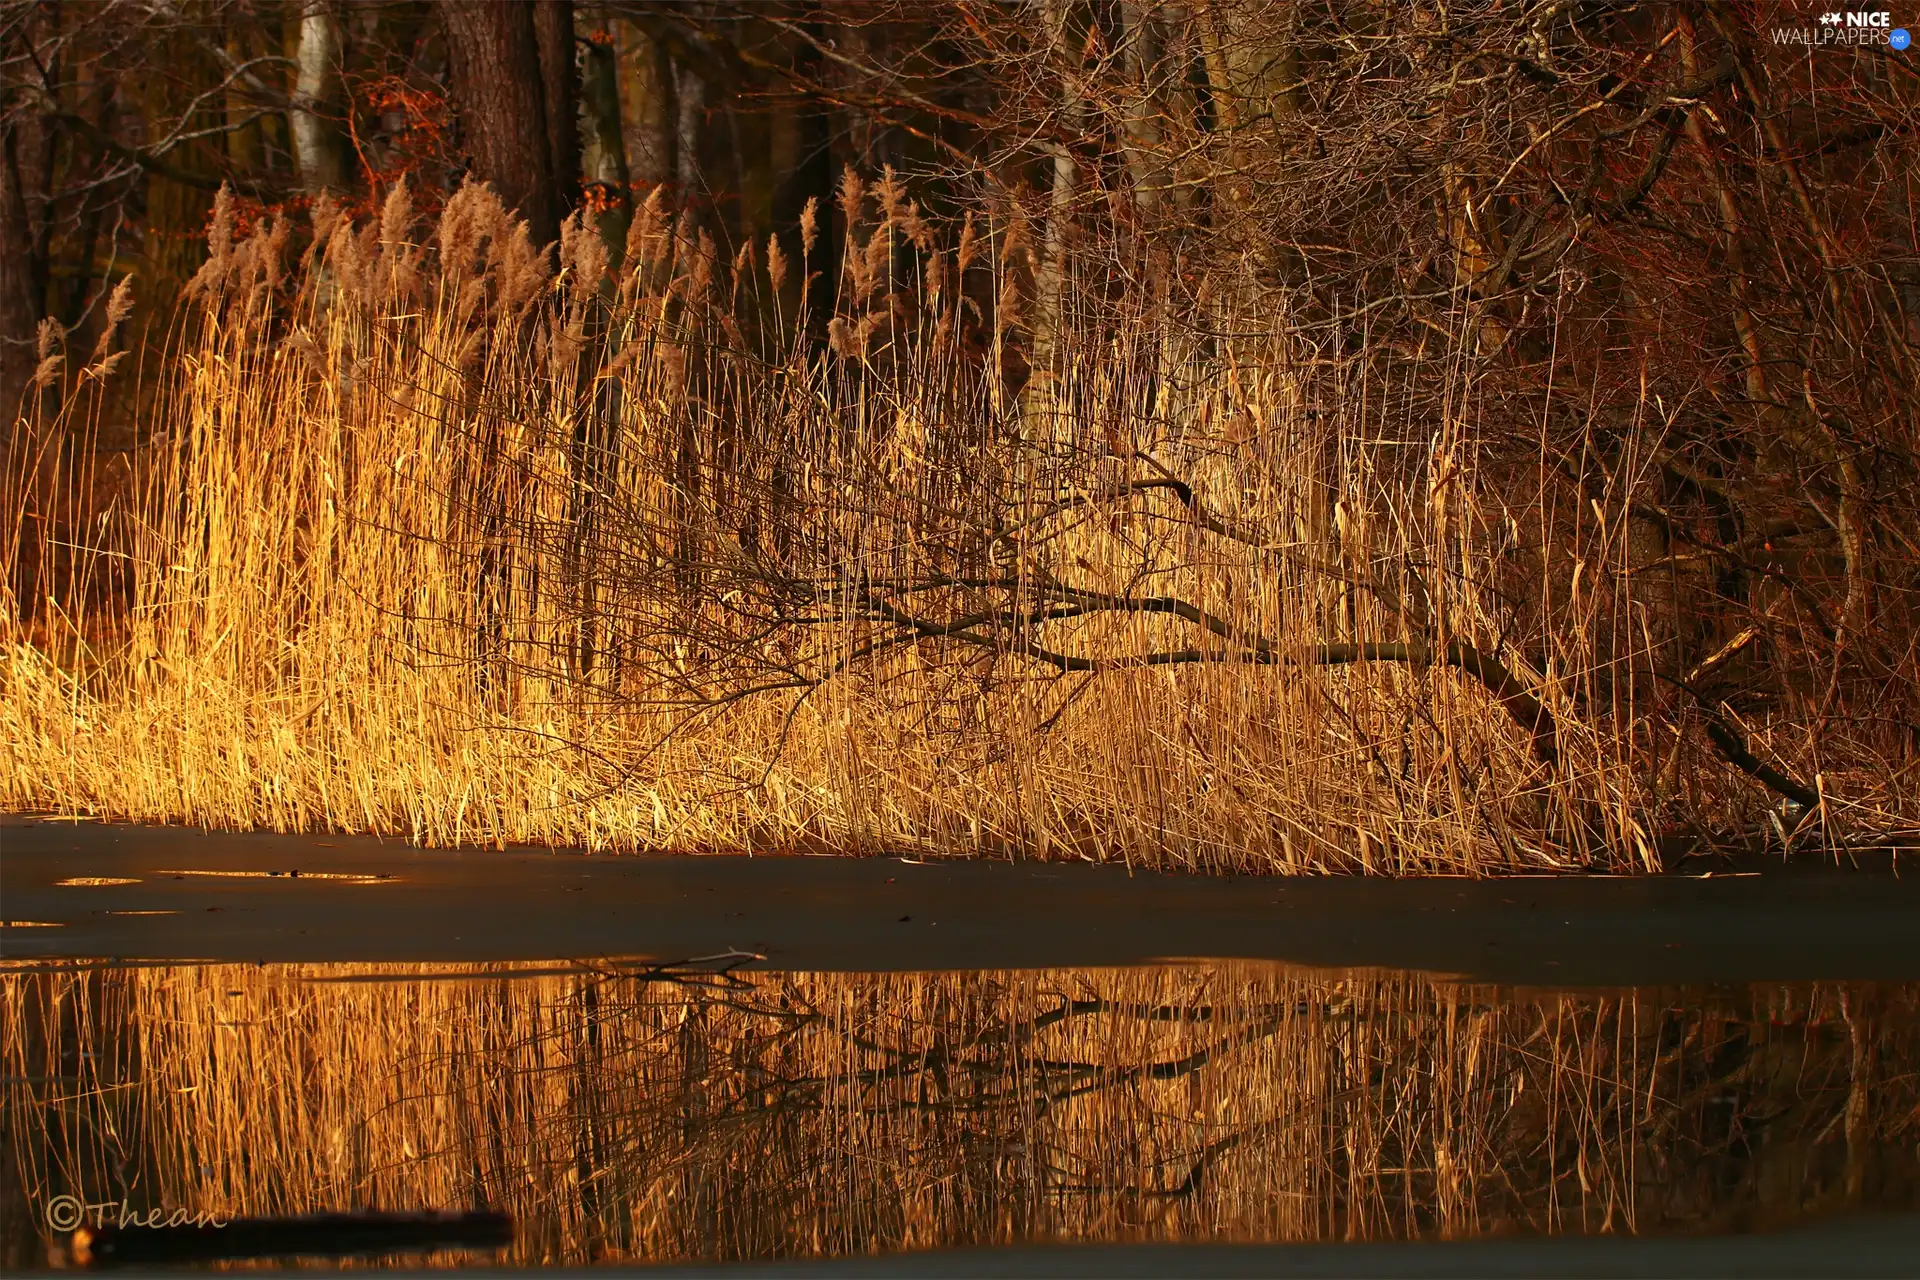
x=1257, y=1112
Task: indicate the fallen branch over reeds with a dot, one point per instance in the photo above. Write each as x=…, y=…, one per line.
x=1514, y=696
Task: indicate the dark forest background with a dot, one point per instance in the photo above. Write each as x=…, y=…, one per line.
x=1690, y=179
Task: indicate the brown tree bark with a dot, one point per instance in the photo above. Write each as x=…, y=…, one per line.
x=604, y=148
x=553, y=35
x=501, y=92
x=26, y=180
x=21, y=293
x=648, y=111
x=690, y=97
x=1050, y=274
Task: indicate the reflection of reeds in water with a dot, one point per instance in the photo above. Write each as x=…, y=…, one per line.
x=698, y=1116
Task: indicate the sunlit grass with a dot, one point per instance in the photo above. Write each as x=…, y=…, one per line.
x=425, y=541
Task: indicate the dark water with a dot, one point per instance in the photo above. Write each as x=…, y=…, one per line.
x=922, y=1059
x=626, y=1114
x=178, y=894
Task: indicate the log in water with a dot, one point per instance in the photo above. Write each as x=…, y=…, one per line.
x=326, y=1235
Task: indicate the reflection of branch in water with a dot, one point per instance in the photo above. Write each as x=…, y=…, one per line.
x=1093, y=1076
x=942, y=1060
x=1206, y=1156
x=719, y=970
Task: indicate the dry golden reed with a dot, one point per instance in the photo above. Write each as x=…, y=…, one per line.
x=449, y=540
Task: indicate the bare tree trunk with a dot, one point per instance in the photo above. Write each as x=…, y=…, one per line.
x=605, y=151
x=553, y=36
x=318, y=154
x=26, y=171
x=1253, y=72
x=689, y=126
x=21, y=293
x=1140, y=30
x=596, y=434
x=1050, y=280
x=646, y=104
x=500, y=96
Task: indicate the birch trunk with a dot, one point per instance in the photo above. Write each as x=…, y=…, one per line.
x=318, y=155
x=1145, y=66
x=1050, y=279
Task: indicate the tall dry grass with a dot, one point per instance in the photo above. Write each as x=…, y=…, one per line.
x=650, y=1116
x=430, y=538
